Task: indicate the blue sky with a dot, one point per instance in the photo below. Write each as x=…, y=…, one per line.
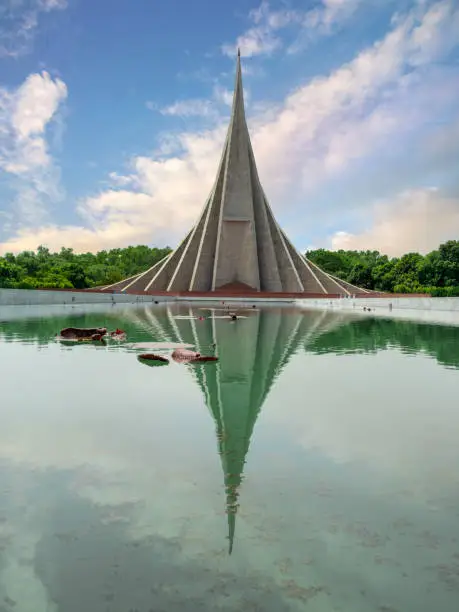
x=113, y=114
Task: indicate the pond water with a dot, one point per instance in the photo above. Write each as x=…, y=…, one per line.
x=314, y=466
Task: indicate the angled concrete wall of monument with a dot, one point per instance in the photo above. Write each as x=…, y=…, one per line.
x=237, y=244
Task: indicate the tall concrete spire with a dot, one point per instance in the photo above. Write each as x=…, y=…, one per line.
x=236, y=244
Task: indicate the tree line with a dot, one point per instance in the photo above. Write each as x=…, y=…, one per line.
x=67, y=270
x=436, y=273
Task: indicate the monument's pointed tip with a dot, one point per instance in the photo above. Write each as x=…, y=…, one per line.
x=238, y=95
x=231, y=530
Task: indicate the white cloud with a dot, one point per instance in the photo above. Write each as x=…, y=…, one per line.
x=191, y=108
x=225, y=96
x=263, y=37
x=198, y=107
x=417, y=220
x=256, y=41
x=366, y=436
x=370, y=105
x=170, y=193
x=49, y=5
x=323, y=20
x=19, y=20
x=444, y=15
x=25, y=115
x=372, y=101
x=253, y=71
x=119, y=180
x=337, y=9
x=36, y=102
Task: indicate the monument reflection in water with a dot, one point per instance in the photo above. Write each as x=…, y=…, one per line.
x=120, y=489
x=252, y=353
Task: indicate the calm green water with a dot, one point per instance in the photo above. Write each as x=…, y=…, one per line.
x=323, y=450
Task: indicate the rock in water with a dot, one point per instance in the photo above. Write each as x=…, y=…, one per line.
x=118, y=334
x=183, y=355
x=186, y=356
x=83, y=333
x=204, y=358
x=151, y=359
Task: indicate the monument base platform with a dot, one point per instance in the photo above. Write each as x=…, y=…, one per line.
x=260, y=295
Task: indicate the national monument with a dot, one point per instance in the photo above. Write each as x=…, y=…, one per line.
x=236, y=245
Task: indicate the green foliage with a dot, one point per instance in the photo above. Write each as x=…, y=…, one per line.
x=436, y=273
x=378, y=334
x=66, y=269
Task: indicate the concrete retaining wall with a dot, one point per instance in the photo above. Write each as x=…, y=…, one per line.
x=430, y=310
x=22, y=297
x=434, y=310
